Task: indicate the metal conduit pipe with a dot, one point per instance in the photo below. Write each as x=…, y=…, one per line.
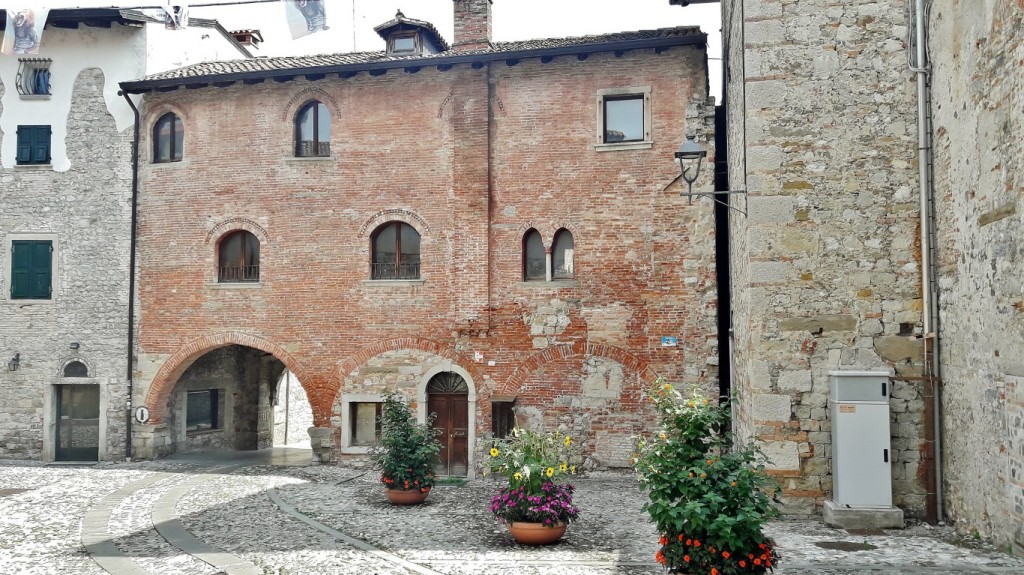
x=920, y=65
x=131, y=274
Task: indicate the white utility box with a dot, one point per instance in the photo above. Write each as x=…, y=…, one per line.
x=861, y=455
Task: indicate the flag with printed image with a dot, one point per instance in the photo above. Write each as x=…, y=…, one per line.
x=175, y=15
x=305, y=17
x=24, y=30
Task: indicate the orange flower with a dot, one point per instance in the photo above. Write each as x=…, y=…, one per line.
x=742, y=563
x=660, y=557
x=733, y=484
x=725, y=554
x=714, y=571
x=680, y=536
x=689, y=541
x=696, y=543
x=757, y=561
x=686, y=558
x=709, y=462
x=663, y=540
x=751, y=555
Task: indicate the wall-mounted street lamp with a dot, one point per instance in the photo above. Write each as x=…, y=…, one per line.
x=690, y=157
x=14, y=363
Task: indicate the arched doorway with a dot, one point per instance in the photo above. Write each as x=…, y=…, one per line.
x=448, y=401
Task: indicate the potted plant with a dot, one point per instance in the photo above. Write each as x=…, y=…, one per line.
x=405, y=453
x=709, y=495
x=534, y=503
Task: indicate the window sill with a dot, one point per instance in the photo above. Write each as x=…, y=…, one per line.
x=301, y=159
x=34, y=167
x=235, y=285
x=646, y=145
x=393, y=283
x=553, y=284
x=35, y=96
x=17, y=301
x=195, y=432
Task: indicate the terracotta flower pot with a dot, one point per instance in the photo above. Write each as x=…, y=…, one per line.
x=407, y=496
x=536, y=533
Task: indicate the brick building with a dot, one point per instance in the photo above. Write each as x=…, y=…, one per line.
x=481, y=226
x=65, y=224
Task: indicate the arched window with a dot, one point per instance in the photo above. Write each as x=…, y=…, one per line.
x=168, y=138
x=534, y=261
x=313, y=131
x=76, y=369
x=396, y=252
x=562, y=255
x=239, y=258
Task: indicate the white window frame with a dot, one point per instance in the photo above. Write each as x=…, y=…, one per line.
x=347, y=400
x=648, y=140
x=26, y=78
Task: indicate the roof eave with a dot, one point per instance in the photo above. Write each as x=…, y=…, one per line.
x=142, y=86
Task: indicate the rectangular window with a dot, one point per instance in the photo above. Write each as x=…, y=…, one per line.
x=503, y=418
x=403, y=43
x=31, y=269
x=202, y=410
x=33, y=77
x=365, y=421
x=624, y=119
x=33, y=145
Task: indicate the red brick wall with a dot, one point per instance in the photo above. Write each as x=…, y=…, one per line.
x=472, y=159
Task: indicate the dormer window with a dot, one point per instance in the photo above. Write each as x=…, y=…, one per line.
x=403, y=43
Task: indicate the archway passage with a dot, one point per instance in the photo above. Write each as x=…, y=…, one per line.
x=448, y=402
x=224, y=401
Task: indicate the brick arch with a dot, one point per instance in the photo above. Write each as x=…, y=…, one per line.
x=305, y=96
x=235, y=224
x=167, y=376
x=364, y=354
x=527, y=367
x=394, y=215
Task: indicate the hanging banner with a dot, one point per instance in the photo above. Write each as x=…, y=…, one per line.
x=305, y=17
x=176, y=15
x=24, y=29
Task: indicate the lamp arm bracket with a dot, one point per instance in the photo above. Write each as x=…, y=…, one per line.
x=715, y=193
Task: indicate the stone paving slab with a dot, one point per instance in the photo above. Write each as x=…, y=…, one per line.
x=335, y=520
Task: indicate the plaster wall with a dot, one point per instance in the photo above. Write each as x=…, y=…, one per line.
x=978, y=95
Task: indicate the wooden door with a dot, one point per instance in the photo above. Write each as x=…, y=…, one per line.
x=78, y=423
x=448, y=401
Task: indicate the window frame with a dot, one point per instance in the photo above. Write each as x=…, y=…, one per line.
x=216, y=421
x=244, y=276
x=29, y=70
x=353, y=407
x=30, y=136
x=71, y=364
x=347, y=400
x=398, y=252
x=9, y=267
x=619, y=94
x=502, y=423
x=176, y=150
x=416, y=44
x=526, y=277
x=560, y=234
x=317, y=142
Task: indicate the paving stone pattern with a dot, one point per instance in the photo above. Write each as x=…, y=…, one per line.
x=248, y=517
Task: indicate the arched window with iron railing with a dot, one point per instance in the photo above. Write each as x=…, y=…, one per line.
x=395, y=252
x=239, y=258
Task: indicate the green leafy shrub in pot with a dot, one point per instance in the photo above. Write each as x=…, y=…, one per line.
x=406, y=450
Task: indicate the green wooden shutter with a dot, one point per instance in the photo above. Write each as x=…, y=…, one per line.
x=33, y=145
x=31, y=269
x=24, y=144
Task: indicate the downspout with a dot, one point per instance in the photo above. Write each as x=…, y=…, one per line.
x=929, y=301
x=131, y=275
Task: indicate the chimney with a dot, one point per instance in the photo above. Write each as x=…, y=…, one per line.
x=472, y=25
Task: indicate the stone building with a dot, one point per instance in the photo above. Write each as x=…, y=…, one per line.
x=485, y=227
x=829, y=270
x=65, y=227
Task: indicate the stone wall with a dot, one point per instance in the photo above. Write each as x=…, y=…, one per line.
x=978, y=93
x=821, y=115
x=85, y=211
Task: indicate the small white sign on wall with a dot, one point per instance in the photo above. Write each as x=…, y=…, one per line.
x=669, y=341
x=142, y=414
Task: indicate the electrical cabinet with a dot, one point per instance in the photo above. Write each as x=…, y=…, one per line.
x=861, y=454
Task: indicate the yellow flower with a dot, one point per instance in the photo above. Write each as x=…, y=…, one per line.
x=494, y=452
x=568, y=441
x=517, y=476
x=667, y=387
x=563, y=467
x=550, y=471
x=663, y=437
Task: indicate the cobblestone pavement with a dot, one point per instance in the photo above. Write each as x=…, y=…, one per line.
x=242, y=514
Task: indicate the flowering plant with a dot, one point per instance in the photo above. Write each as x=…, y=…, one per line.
x=406, y=451
x=534, y=463
x=551, y=506
x=709, y=496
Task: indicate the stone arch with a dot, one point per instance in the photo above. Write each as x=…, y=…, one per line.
x=70, y=361
x=173, y=367
x=527, y=367
x=364, y=354
x=394, y=215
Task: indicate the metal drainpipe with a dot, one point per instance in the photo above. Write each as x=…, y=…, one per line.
x=131, y=275
x=929, y=304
